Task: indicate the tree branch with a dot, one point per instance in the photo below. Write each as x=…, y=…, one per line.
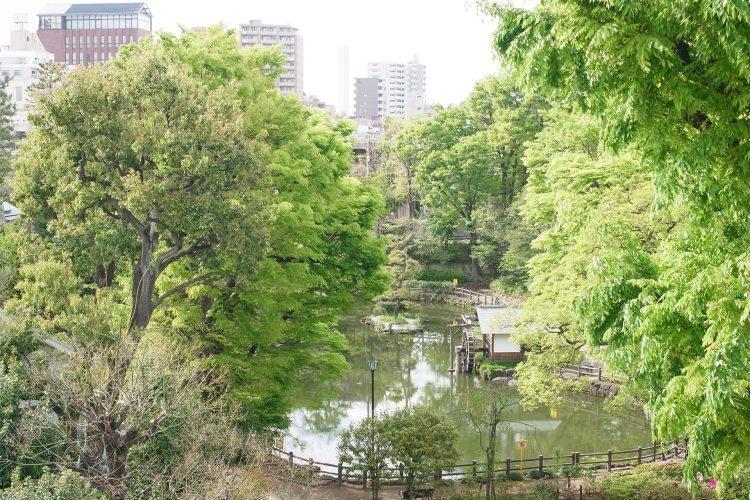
x=183, y=286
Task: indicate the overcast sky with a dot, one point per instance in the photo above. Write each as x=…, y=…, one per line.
x=450, y=37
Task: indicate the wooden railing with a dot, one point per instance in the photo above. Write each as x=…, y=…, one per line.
x=475, y=297
x=592, y=373
x=607, y=460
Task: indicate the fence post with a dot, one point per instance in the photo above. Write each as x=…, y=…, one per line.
x=609, y=460
x=474, y=469
x=640, y=455
x=400, y=472
x=364, y=479
x=541, y=464
x=600, y=374
x=341, y=473
x=573, y=458
x=507, y=467
x=291, y=458
x=579, y=370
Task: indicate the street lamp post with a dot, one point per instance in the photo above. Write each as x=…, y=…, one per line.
x=373, y=365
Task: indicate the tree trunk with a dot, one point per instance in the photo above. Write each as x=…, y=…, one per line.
x=410, y=193
x=491, y=439
x=105, y=275
x=474, y=262
x=144, y=280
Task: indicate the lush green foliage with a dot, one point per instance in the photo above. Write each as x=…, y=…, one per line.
x=655, y=481
x=670, y=78
x=63, y=485
x=367, y=449
x=467, y=164
x=403, y=270
x=443, y=275
x=416, y=438
x=207, y=204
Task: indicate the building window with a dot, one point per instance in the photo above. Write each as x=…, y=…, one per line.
x=19, y=93
x=117, y=39
x=17, y=72
x=50, y=22
x=67, y=57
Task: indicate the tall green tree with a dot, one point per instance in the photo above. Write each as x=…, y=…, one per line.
x=469, y=160
x=670, y=77
x=179, y=180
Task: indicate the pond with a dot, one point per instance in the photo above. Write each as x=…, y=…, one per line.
x=413, y=369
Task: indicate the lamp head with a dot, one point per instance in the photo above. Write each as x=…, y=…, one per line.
x=373, y=364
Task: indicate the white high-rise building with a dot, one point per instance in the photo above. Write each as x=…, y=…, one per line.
x=21, y=67
x=289, y=40
x=20, y=64
x=404, y=87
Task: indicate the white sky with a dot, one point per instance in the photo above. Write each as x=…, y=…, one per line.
x=450, y=37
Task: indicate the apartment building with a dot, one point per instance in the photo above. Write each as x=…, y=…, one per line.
x=91, y=33
x=368, y=98
x=404, y=87
x=21, y=67
x=288, y=39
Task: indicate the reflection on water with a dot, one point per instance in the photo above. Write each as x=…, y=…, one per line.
x=413, y=369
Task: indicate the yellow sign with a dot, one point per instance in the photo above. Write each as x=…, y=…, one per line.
x=455, y=281
x=522, y=444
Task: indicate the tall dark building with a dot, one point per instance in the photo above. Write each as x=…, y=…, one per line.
x=91, y=33
x=368, y=98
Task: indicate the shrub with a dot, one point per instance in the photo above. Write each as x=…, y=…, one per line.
x=661, y=480
x=63, y=485
x=515, y=476
x=536, y=474
x=543, y=491
x=575, y=470
x=443, y=275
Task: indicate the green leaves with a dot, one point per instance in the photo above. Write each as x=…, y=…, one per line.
x=667, y=303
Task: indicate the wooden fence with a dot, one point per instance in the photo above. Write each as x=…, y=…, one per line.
x=475, y=297
x=606, y=461
x=592, y=372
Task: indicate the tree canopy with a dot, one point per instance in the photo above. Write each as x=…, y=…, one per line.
x=468, y=162
x=670, y=79
x=179, y=181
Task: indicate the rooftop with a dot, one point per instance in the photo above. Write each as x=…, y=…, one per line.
x=94, y=8
x=498, y=319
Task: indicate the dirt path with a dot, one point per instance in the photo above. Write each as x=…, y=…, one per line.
x=293, y=491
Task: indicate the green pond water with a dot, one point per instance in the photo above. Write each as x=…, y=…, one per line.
x=413, y=369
